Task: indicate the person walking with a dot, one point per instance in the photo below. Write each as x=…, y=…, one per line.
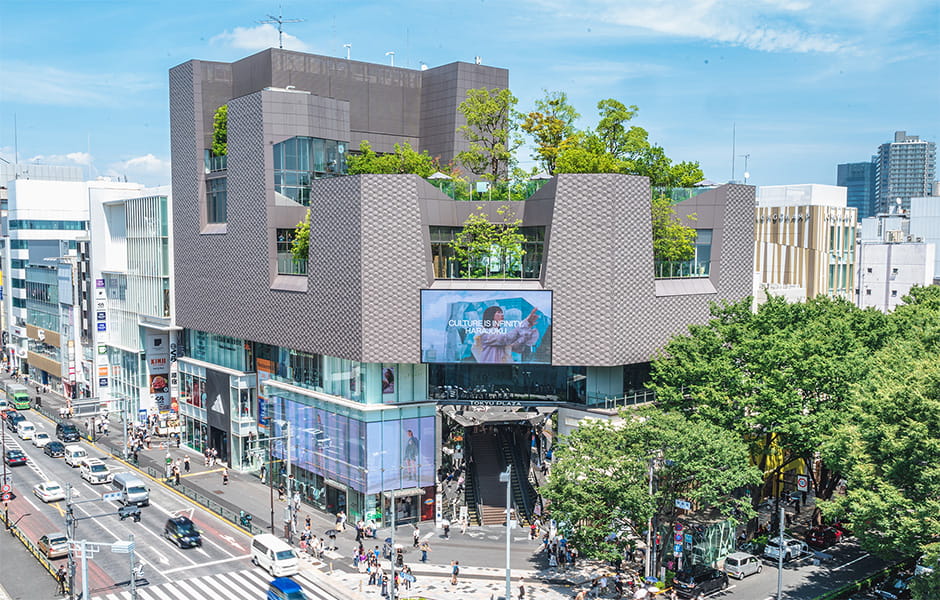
x=454, y=571
x=186, y=464
x=224, y=476
x=424, y=552
x=62, y=577
x=416, y=536
x=521, y=589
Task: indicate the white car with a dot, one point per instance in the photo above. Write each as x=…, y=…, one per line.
x=791, y=548
x=94, y=471
x=49, y=491
x=41, y=438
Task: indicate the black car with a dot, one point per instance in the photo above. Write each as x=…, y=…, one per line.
x=67, y=432
x=699, y=580
x=14, y=458
x=54, y=449
x=13, y=420
x=182, y=532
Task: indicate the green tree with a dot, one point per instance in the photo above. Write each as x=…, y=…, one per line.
x=220, y=131
x=550, y=125
x=404, y=159
x=888, y=446
x=599, y=484
x=484, y=248
x=781, y=377
x=491, y=124
x=672, y=241
x=300, y=245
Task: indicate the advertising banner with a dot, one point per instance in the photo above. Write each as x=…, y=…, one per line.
x=158, y=370
x=486, y=326
x=218, y=401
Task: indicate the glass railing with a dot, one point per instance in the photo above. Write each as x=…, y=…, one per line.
x=288, y=265
x=672, y=269
x=679, y=194
x=476, y=191
x=214, y=164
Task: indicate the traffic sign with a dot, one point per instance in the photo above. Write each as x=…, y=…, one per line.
x=678, y=526
x=111, y=496
x=678, y=538
x=677, y=550
x=5, y=488
x=6, y=496
x=683, y=504
x=122, y=547
x=802, y=483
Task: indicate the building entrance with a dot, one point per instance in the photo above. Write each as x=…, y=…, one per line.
x=218, y=439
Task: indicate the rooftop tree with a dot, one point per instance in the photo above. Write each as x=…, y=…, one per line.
x=490, y=128
x=551, y=125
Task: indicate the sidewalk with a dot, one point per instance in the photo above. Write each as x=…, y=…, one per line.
x=481, y=551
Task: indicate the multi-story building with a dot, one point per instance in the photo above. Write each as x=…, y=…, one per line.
x=859, y=181
x=905, y=168
x=805, y=235
x=379, y=357
x=925, y=225
x=891, y=261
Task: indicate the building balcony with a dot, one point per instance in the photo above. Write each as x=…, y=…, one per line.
x=288, y=265
x=674, y=269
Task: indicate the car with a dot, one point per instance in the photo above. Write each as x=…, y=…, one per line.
x=54, y=545
x=49, y=491
x=699, y=580
x=14, y=457
x=285, y=588
x=791, y=548
x=67, y=432
x=823, y=537
x=14, y=419
x=182, y=532
x=25, y=430
x=41, y=438
x=55, y=449
x=94, y=471
x=742, y=564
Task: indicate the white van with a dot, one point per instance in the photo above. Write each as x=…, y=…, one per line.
x=25, y=430
x=133, y=489
x=274, y=555
x=74, y=455
x=94, y=471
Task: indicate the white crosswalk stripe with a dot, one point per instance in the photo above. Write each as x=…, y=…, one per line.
x=248, y=584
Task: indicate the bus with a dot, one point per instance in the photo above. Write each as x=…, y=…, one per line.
x=17, y=395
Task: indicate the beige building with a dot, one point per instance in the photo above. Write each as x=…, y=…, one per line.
x=805, y=236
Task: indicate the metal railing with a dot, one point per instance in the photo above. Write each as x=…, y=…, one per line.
x=288, y=265
x=33, y=548
x=500, y=191
x=675, y=269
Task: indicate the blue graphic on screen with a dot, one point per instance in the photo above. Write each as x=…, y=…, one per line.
x=486, y=326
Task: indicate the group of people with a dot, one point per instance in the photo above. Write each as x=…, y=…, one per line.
x=368, y=563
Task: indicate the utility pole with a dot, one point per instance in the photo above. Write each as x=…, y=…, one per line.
x=507, y=478
x=70, y=534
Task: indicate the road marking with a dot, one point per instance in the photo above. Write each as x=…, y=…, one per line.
x=862, y=557
x=206, y=564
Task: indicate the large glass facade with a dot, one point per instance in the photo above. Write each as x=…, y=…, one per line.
x=42, y=297
x=521, y=382
x=448, y=266
x=300, y=160
x=229, y=352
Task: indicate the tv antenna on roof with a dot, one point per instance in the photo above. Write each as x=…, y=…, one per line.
x=280, y=20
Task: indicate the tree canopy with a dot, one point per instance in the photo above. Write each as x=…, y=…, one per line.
x=220, y=131
x=551, y=124
x=485, y=249
x=490, y=128
x=599, y=483
x=404, y=159
x=300, y=245
x=672, y=240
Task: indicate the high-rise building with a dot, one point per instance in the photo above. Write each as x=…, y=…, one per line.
x=859, y=180
x=905, y=169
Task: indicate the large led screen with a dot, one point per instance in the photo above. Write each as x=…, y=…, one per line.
x=486, y=326
x=401, y=454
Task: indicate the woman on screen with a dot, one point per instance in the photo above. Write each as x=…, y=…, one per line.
x=496, y=344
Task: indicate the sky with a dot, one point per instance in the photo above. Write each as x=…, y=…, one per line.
x=787, y=88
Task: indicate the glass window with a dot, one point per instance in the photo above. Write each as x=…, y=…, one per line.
x=217, y=200
x=300, y=160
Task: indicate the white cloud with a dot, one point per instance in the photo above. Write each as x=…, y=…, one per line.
x=83, y=159
x=763, y=25
x=262, y=37
x=37, y=84
x=148, y=169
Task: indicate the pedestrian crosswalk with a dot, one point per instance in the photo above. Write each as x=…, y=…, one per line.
x=248, y=584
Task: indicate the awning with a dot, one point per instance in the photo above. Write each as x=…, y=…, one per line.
x=469, y=416
x=404, y=493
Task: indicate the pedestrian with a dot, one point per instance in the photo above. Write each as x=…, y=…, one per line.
x=416, y=536
x=454, y=571
x=186, y=464
x=61, y=576
x=224, y=476
x=521, y=589
x=446, y=525
x=384, y=586
x=263, y=472
x=307, y=522
x=176, y=475
x=424, y=552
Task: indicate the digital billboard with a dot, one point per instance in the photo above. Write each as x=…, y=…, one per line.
x=486, y=326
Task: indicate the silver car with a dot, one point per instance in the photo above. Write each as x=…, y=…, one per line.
x=742, y=564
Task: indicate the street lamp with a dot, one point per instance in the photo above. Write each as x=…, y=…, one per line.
x=506, y=477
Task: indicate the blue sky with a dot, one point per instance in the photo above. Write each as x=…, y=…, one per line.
x=807, y=84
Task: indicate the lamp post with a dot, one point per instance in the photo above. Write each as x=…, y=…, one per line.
x=506, y=477
x=286, y=438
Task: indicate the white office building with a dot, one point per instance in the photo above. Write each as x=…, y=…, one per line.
x=891, y=260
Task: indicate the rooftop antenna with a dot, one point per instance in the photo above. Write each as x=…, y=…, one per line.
x=746, y=174
x=348, y=47
x=733, y=155
x=280, y=20
x=391, y=56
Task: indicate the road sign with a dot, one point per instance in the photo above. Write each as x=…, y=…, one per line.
x=6, y=496
x=802, y=483
x=683, y=504
x=111, y=496
x=678, y=538
x=677, y=550
x=122, y=547
x=5, y=488
x=678, y=527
